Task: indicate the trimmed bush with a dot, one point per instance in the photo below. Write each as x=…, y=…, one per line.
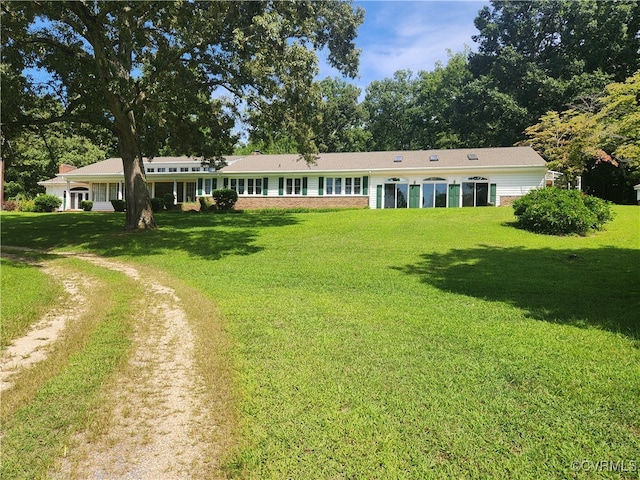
x=555, y=211
x=46, y=203
x=225, y=198
x=169, y=200
x=157, y=204
x=86, y=205
x=206, y=204
x=119, y=205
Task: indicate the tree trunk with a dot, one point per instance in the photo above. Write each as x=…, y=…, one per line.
x=139, y=211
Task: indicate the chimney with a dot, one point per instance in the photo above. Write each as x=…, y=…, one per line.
x=65, y=168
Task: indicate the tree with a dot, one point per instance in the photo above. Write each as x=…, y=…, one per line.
x=600, y=141
x=392, y=110
x=342, y=117
x=148, y=71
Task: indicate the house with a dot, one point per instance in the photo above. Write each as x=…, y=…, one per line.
x=637, y=189
x=402, y=179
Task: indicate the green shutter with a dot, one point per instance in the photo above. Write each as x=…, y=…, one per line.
x=215, y=184
x=492, y=194
x=454, y=195
x=199, y=187
x=305, y=184
x=225, y=182
x=365, y=185
x=320, y=185
x=265, y=186
x=281, y=186
x=379, y=197
x=414, y=196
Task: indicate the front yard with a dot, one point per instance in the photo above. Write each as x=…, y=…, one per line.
x=404, y=344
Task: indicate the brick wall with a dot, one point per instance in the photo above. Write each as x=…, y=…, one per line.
x=506, y=201
x=253, y=203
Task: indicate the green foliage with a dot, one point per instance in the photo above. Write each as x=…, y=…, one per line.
x=27, y=293
x=46, y=203
x=206, y=204
x=556, y=211
x=169, y=200
x=86, y=205
x=157, y=204
x=462, y=348
x=119, y=205
x=224, y=198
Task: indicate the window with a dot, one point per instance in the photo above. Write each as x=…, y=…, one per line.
x=173, y=169
x=254, y=186
x=99, y=192
x=343, y=186
x=151, y=170
x=294, y=186
x=113, y=191
x=475, y=194
x=190, y=191
x=207, y=186
x=184, y=169
x=395, y=195
x=195, y=169
x=434, y=195
x=162, y=170
x=433, y=158
x=237, y=184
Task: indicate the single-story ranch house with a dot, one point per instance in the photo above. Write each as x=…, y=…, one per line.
x=405, y=179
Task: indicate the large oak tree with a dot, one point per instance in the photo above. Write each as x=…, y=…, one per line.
x=154, y=72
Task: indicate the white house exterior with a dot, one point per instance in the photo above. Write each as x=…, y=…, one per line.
x=378, y=180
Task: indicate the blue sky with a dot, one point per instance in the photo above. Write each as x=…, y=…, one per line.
x=410, y=35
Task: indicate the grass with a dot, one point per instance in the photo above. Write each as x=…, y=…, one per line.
x=26, y=293
x=56, y=398
x=405, y=344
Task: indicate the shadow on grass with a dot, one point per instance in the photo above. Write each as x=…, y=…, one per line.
x=209, y=237
x=583, y=287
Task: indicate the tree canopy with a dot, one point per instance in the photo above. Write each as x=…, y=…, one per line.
x=153, y=73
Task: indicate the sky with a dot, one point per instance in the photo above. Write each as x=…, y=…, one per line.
x=410, y=35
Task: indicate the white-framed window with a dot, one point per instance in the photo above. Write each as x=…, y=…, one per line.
x=151, y=170
x=195, y=169
x=237, y=184
x=293, y=186
x=99, y=192
x=343, y=185
x=113, y=191
x=254, y=186
x=173, y=169
x=162, y=170
x=184, y=169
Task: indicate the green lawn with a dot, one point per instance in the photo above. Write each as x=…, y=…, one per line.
x=406, y=344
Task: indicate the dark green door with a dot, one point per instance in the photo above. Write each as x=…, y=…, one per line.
x=414, y=196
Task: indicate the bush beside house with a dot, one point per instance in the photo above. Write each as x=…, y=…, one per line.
x=555, y=211
x=46, y=203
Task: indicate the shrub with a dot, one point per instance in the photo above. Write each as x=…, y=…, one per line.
x=86, y=205
x=157, y=204
x=206, y=205
x=555, y=211
x=46, y=203
x=225, y=198
x=119, y=205
x=27, y=205
x=10, y=206
x=169, y=200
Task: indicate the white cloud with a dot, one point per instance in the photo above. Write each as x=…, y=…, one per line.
x=398, y=35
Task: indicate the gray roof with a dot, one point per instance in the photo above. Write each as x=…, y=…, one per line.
x=357, y=161
x=398, y=160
